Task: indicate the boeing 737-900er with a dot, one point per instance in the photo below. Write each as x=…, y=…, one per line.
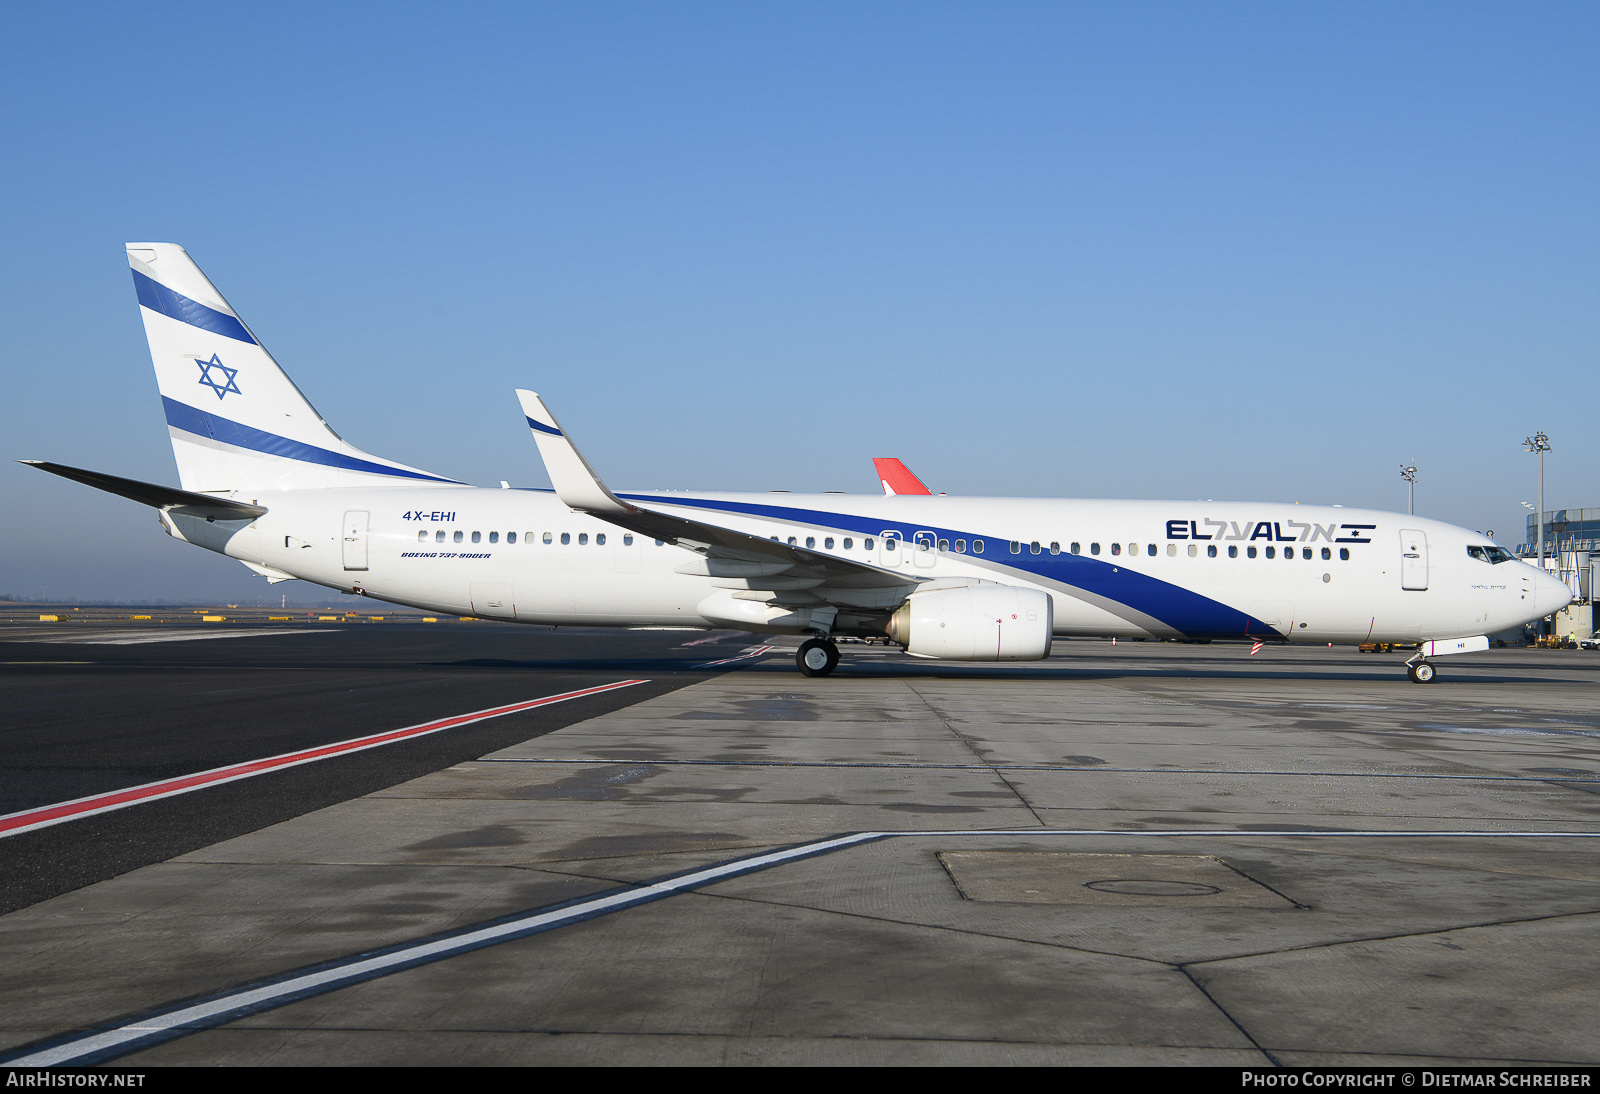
x=266, y=481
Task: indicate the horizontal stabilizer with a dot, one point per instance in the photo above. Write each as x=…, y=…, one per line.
x=148, y=493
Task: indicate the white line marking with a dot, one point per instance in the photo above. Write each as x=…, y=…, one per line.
x=177, y=1021
x=144, y=637
x=755, y=651
x=29, y=820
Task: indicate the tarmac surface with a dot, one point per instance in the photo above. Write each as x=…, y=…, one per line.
x=1141, y=854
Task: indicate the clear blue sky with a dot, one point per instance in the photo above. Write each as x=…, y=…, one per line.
x=1187, y=250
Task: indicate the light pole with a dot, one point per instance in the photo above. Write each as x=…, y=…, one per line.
x=1541, y=444
x=1409, y=473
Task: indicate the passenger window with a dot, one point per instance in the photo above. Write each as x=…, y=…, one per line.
x=1133, y=548
x=661, y=543
x=438, y=537
x=566, y=538
x=627, y=540
x=1326, y=554
x=422, y=536
x=1151, y=550
x=1016, y=547
x=792, y=542
x=1116, y=548
x=1272, y=552
x=600, y=539
x=977, y=546
x=1055, y=548
x=457, y=537
x=547, y=537
x=1344, y=554
x=511, y=537
x=494, y=537
x=583, y=539
x=1211, y=550
x=1233, y=552
x=1077, y=549
x=1194, y=551
x=811, y=543
x=1094, y=548
x=477, y=537
x=1250, y=552
x=848, y=543
x=1305, y=552
x=866, y=544
x=1172, y=550
x=944, y=545
x=1034, y=547
x=827, y=544
x=961, y=546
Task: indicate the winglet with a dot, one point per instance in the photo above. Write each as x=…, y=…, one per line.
x=575, y=481
x=897, y=478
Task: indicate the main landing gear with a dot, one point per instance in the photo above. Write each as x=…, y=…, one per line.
x=817, y=657
x=1420, y=672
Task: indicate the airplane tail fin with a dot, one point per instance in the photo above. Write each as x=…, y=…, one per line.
x=897, y=478
x=238, y=423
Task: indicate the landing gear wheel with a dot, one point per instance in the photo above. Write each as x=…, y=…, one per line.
x=817, y=657
x=1420, y=673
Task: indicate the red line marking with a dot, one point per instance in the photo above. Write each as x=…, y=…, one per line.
x=26, y=821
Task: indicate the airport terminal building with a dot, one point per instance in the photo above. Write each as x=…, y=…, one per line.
x=1571, y=547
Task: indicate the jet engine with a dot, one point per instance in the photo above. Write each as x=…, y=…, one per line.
x=977, y=623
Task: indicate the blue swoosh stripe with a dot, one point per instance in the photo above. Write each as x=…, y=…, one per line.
x=193, y=420
x=1183, y=610
x=157, y=297
x=542, y=428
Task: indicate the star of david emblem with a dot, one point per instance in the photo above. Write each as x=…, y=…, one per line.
x=208, y=370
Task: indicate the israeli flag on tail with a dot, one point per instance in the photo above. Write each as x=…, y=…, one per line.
x=238, y=423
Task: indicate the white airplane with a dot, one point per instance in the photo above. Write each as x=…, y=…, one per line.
x=266, y=481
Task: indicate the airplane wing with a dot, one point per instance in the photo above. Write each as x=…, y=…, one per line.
x=166, y=498
x=737, y=560
x=897, y=478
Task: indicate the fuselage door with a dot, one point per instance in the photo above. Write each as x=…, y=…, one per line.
x=922, y=553
x=1413, y=559
x=355, y=539
x=891, y=552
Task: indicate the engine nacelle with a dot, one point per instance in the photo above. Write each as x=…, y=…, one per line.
x=977, y=623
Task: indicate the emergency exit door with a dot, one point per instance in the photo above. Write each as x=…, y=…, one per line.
x=355, y=539
x=1413, y=559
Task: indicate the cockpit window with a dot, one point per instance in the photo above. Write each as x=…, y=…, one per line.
x=1492, y=555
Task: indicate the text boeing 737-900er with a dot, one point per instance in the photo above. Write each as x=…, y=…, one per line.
x=266, y=481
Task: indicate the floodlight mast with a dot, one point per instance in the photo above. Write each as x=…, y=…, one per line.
x=1541, y=444
x=1409, y=473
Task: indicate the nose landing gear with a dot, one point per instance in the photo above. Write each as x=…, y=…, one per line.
x=817, y=657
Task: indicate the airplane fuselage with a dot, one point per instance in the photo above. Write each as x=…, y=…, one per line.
x=1112, y=568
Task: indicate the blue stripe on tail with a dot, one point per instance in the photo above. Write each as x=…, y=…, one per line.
x=157, y=297
x=193, y=420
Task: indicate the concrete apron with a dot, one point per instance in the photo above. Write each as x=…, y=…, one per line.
x=1068, y=867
